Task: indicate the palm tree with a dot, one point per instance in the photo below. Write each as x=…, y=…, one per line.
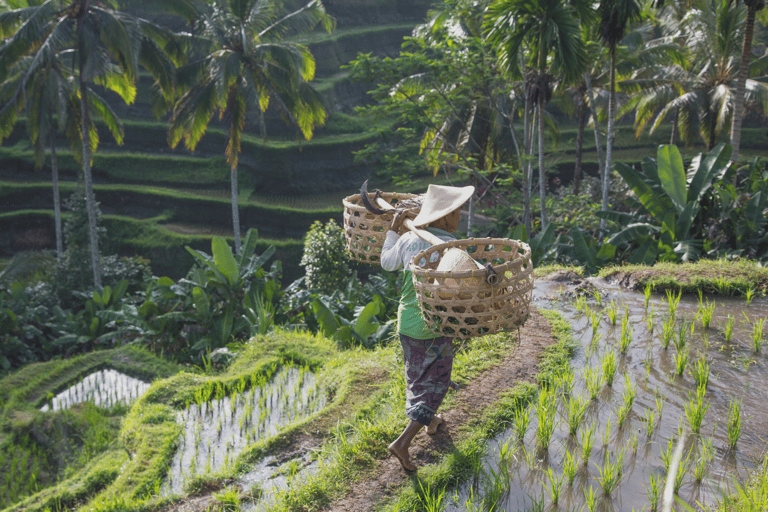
x=103, y=47
x=741, y=82
x=700, y=95
x=545, y=28
x=46, y=95
x=246, y=62
x=614, y=17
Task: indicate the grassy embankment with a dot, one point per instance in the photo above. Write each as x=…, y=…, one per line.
x=365, y=392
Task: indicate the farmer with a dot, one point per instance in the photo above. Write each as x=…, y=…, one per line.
x=428, y=355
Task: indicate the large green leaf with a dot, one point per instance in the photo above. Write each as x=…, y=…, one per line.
x=366, y=323
x=672, y=175
x=646, y=253
x=685, y=219
x=619, y=218
x=651, y=201
x=632, y=233
x=585, y=254
x=325, y=318
x=225, y=260
x=708, y=169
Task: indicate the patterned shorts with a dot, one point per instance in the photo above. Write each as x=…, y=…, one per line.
x=428, y=365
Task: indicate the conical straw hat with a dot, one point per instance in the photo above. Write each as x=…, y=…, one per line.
x=456, y=260
x=440, y=200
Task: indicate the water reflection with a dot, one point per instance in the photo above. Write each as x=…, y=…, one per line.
x=516, y=474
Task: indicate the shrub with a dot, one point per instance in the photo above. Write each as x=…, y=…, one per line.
x=325, y=257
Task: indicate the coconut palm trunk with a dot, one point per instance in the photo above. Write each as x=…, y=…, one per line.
x=741, y=82
x=235, y=207
x=542, y=176
x=582, y=116
x=595, y=126
x=609, y=140
x=56, y=198
x=90, y=201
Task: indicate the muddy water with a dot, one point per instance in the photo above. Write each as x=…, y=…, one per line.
x=523, y=478
x=215, y=432
x=104, y=388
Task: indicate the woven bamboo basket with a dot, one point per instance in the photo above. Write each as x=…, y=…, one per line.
x=459, y=302
x=364, y=231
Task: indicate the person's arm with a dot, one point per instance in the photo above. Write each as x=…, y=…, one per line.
x=390, y=255
x=390, y=252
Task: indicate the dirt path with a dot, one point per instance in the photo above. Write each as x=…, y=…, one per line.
x=387, y=476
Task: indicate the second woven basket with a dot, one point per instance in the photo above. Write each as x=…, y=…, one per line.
x=461, y=303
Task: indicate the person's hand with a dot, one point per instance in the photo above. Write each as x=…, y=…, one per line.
x=398, y=221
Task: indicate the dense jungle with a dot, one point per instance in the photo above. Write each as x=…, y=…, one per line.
x=183, y=323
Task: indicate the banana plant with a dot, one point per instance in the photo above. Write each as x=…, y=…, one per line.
x=365, y=329
x=666, y=204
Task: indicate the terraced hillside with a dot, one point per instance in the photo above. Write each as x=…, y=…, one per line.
x=156, y=200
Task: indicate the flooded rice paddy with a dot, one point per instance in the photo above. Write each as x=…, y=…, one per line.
x=649, y=378
x=216, y=431
x=104, y=388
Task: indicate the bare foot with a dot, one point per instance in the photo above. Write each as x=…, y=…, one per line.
x=437, y=420
x=402, y=456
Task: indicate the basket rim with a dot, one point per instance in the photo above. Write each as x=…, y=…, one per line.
x=420, y=271
x=347, y=201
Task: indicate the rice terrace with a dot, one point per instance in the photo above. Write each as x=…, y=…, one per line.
x=383, y=256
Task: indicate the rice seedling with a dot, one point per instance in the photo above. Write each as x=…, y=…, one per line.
x=546, y=408
x=680, y=475
x=609, y=367
x=598, y=297
x=581, y=303
x=590, y=499
x=587, y=442
x=626, y=336
x=659, y=400
x=734, y=423
x=699, y=370
x=565, y=380
x=576, y=408
x=702, y=461
x=593, y=344
x=609, y=475
x=673, y=301
x=633, y=441
x=666, y=455
x=653, y=490
x=647, y=294
x=681, y=361
x=507, y=453
x=594, y=380
x=757, y=335
x=629, y=399
x=555, y=485
x=707, y=312
x=695, y=409
x=728, y=332
x=607, y=433
x=569, y=467
x=749, y=295
x=612, y=312
x=521, y=421
x=594, y=320
x=650, y=423
x=667, y=331
x=650, y=319
x=683, y=329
